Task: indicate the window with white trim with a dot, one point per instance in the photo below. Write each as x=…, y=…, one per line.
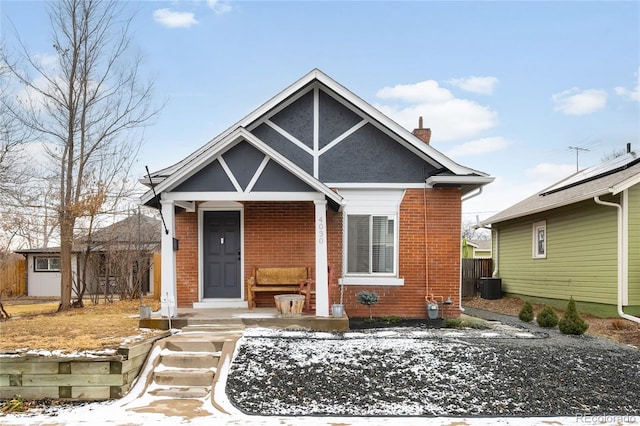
x=540, y=240
x=371, y=230
x=47, y=264
x=371, y=244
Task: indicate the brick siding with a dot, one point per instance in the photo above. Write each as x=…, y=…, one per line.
x=282, y=234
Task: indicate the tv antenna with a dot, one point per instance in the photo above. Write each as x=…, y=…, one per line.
x=578, y=149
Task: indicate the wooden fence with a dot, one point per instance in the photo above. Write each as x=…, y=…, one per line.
x=472, y=271
x=13, y=278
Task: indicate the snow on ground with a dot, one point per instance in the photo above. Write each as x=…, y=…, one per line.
x=394, y=377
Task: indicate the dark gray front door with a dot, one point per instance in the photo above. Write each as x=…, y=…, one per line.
x=221, y=255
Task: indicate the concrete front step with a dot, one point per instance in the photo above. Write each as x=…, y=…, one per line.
x=208, y=328
x=190, y=359
x=184, y=377
x=187, y=392
x=192, y=344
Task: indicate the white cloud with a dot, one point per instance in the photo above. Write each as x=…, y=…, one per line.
x=450, y=118
x=173, y=19
x=633, y=94
x=219, y=8
x=483, y=85
x=576, y=102
x=424, y=91
x=545, y=174
x=479, y=146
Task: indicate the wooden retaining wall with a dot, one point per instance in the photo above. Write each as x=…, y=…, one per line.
x=36, y=377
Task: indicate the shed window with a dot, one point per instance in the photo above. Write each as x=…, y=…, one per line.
x=47, y=264
x=540, y=240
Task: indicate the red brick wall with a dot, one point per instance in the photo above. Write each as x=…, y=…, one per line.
x=187, y=258
x=443, y=250
x=282, y=234
x=278, y=234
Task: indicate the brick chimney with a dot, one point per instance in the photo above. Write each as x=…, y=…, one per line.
x=423, y=134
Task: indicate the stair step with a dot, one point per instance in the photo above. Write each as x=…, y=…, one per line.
x=188, y=392
x=190, y=359
x=193, y=344
x=226, y=328
x=184, y=377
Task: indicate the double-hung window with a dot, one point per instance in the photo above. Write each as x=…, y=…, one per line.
x=371, y=244
x=371, y=237
x=47, y=264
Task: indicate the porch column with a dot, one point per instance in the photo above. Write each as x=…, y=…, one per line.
x=168, y=282
x=322, y=281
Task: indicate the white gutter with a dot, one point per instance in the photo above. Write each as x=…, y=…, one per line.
x=622, y=256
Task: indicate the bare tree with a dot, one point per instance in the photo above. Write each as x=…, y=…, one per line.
x=87, y=107
x=12, y=138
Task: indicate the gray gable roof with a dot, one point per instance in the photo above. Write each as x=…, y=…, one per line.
x=609, y=177
x=286, y=123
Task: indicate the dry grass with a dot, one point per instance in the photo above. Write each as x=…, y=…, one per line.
x=622, y=331
x=92, y=328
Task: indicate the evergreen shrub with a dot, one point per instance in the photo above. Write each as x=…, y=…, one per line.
x=526, y=313
x=547, y=317
x=571, y=322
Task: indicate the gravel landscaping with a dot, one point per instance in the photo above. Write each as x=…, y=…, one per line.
x=507, y=370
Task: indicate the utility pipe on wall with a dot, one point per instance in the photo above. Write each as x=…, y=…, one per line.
x=622, y=258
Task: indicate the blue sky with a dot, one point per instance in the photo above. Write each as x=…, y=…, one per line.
x=506, y=87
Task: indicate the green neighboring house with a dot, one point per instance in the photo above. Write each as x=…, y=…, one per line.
x=476, y=249
x=579, y=237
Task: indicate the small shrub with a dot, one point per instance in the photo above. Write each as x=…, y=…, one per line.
x=453, y=323
x=391, y=319
x=571, y=322
x=465, y=323
x=526, y=313
x=368, y=298
x=547, y=317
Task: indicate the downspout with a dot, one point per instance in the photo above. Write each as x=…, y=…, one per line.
x=496, y=255
x=468, y=197
x=622, y=261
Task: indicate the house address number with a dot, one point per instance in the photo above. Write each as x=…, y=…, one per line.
x=321, y=230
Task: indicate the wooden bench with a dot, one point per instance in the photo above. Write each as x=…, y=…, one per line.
x=286, y=280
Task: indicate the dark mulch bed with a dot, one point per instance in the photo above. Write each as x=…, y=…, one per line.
x=364, y=323
x=431, y=373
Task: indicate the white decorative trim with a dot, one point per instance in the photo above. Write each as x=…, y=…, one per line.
x=230, y=174
x=289, y=137
x=390, y=281
x=258, y=173
x=342, y=136
x=243, y=196
x=316, y=132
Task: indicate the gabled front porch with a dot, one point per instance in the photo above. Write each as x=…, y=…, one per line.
x=243, y=206
x=229, y=317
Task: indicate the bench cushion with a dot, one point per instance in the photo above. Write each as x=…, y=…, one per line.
x=275, y=276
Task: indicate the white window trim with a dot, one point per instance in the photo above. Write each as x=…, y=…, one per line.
x=535, y=253
x=35, y=264
x=372, y=202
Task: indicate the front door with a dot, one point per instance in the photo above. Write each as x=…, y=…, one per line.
x=221, y=251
